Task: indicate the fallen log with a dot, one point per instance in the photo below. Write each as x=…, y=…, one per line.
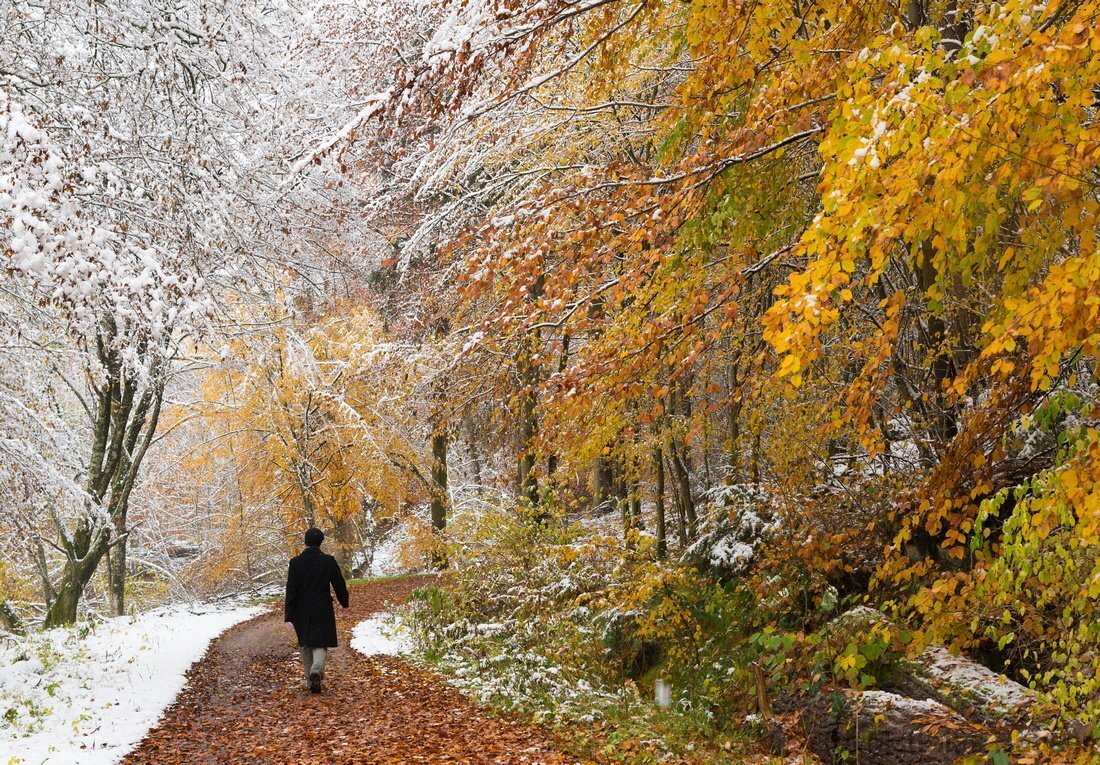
x=883, y=728
x=934, y=709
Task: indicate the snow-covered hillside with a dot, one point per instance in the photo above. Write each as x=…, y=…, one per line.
x=86, y=695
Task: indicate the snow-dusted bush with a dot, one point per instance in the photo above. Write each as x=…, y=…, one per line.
x=736, y=521
x=550, y=617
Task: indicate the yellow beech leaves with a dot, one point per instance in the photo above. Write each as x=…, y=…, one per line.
x=847, y=251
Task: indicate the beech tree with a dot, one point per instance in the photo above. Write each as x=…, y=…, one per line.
x=671, y=261
x=845, y=253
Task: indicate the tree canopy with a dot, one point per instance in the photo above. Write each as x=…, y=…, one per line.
x=803, y=296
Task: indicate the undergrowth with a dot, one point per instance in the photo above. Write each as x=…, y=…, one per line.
x=571, y=629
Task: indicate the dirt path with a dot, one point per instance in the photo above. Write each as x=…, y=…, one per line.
x=246, y=703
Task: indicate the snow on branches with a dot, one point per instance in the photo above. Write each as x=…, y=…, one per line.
x=88, y=271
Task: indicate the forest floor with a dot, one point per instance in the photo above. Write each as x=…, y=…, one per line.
x=246, y=702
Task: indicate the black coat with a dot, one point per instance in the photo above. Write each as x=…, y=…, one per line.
x=308, y=602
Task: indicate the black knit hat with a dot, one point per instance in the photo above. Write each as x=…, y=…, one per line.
x=314, y=537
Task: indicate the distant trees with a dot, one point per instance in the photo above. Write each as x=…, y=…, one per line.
x=311, y=426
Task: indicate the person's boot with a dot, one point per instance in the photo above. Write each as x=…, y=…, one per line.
x=315, y=682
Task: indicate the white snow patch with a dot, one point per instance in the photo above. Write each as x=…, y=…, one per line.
x=87, y=695
x=730, y=553
x=877, y=701
x=382, y=634
x=387, y=552
x=977, y=683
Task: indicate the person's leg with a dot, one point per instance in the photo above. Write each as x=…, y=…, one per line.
x=305, y=653
x=316, y=666
x=320, y=656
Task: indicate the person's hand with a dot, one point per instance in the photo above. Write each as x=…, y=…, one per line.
x=290, y=625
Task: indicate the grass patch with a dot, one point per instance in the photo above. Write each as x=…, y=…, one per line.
x=388, y=578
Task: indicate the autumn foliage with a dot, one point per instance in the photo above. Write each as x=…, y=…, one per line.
x=677, y=329
x=845, y=253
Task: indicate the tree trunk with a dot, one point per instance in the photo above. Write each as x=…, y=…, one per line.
x=471, y=450
x=636, y=520
x=63, y=608
x=146, y=415
x=440, y=493
x=915, y=15
x=126, y=418
x=343, y=534
x=529, y=378
x=79, y=568
x=622, y=500
x=603, y=477
x=624, y=519
x=682, y=477
x=659, y=502
x=680, y=457
x=526, y=480
x=9, y=620
x=309, y=510
x=757, y=457
x=733, y=429
x=563, y=363
x=943, y=418
x=116, y=578
x=681, y=518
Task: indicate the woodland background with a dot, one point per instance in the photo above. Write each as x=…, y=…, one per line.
x=669, y=330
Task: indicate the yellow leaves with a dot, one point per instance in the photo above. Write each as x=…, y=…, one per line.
x=940, y=259
x=846, y=662
x=293, y=417
x=1033, y=198
x=1069, y=481
x=1077, y=33
x=1003, y=368
x=862, y=210
x=790, y=365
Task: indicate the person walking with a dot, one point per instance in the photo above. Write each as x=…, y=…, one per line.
x=309, y=609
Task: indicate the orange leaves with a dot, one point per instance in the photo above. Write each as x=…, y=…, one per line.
x=931, y=206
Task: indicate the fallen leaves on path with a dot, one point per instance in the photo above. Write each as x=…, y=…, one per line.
x=246, y=702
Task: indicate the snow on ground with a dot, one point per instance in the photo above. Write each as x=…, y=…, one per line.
x=382, y=634
x=87, y=694
x=387, y=553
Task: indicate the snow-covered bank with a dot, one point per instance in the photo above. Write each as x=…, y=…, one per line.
x=86, y=695
x=381, y=634
x=387, y=558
